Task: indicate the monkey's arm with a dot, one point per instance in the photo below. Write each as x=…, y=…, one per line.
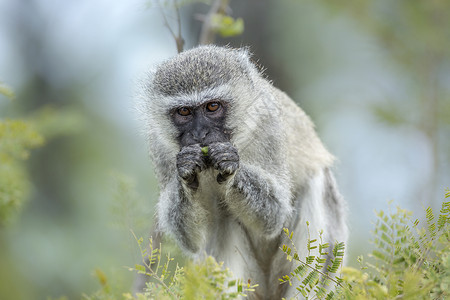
x=179, y=213
x=259, y=199
x=182, y=217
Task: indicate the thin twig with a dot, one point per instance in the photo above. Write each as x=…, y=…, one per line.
x=166, y=23
x=207, y=35
x=177, y=37
x=151, y=272
x=312, y=268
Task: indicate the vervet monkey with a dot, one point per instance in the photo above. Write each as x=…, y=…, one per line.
x=237, y=160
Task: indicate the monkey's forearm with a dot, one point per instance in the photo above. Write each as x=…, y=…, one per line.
x=266, y=204
x=183, y=218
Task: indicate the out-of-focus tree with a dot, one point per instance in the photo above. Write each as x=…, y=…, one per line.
x=17, y=138
x=65, y=223
x=217, y=21
x=417, y=35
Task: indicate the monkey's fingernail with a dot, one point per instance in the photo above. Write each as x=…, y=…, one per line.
x=221, y=178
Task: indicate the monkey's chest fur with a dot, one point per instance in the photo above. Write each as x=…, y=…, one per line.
x=249, y=256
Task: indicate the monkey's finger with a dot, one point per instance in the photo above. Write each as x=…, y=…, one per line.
x=200, y=166
x=224, y=160
x=226, y=166
x=222, y=178
x=216, y=148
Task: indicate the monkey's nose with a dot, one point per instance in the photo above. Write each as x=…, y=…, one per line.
x=199, y=134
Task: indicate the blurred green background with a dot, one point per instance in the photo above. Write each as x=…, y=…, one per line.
x=373, y=75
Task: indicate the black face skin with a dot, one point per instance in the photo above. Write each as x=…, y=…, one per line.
x=203, y=125
x=199, y=127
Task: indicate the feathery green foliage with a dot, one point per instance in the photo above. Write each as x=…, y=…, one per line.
x=210, y=280
x=410, y=261
x=205, y=280
x=165, y=285
x=316, y=275
x=17, y=138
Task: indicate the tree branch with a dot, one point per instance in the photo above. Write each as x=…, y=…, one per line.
x=177, y=37
x=207, y=35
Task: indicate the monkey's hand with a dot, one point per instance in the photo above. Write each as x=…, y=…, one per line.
x=190, y=162
x=224, y=158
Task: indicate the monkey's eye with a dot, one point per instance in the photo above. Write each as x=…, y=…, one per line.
x=184, y=111
x=212, y=106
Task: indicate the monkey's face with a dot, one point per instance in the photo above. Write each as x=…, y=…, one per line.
x=203, y=124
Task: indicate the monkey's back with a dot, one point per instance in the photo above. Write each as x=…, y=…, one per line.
x=306, y=153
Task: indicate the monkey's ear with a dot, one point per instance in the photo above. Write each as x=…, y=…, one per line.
x=245, y=55
x=245, y=51
x=252, y=65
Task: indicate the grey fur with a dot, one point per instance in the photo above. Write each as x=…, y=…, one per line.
x=273, y=173
x=187, y=73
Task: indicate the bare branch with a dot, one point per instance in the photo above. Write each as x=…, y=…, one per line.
x=179, y=39
x=176, y=36
x=207, y=35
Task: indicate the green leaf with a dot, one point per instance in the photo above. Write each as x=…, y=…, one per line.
x=379, y=255
x=140, y=269
x=226, y=26
x=205, y=151
x=232, y=283
x=310, y=259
